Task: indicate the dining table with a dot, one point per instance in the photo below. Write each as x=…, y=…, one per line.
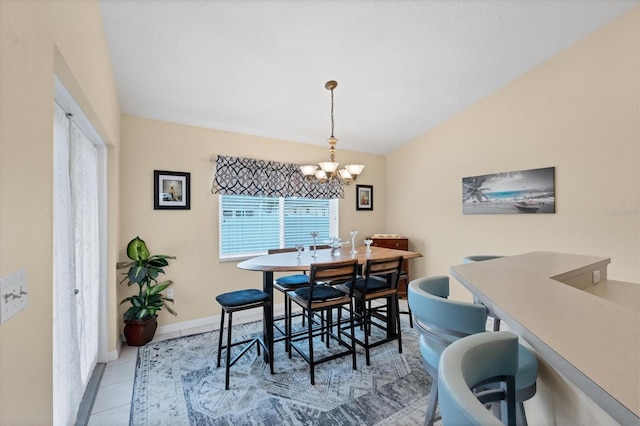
x=292, y=262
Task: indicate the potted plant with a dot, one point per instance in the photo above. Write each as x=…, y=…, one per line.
x=144, y=269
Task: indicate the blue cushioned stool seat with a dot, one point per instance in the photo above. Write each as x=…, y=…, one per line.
x=242, y=297
x=320, y=292
x=293, y=280
x=241, y=300
x=375, y=284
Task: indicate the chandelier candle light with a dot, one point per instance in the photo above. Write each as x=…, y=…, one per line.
x=329, y=169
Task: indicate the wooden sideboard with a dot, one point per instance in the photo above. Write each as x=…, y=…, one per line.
x=397, y=243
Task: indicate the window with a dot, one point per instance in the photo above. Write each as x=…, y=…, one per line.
x=250, y=226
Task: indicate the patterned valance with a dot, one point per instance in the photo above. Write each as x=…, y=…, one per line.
x=260, y=178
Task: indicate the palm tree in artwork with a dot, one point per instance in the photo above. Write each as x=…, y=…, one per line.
x=472, y=189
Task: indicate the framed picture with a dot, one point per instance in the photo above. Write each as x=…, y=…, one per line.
x=171, y=190
x=518, y=192
x=364, y=197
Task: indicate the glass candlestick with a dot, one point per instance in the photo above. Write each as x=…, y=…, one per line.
x=314, y=235
x=335, y=243
x=299, y=247
x=368, y=243
x=353, y=241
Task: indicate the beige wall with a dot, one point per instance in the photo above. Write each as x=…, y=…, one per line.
x=192, y=235
x=578, y=112
x=37, y=40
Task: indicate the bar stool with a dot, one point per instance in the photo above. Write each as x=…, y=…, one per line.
x=235, y=301
x=478, y=359
x=321, y=297
x=285, y=284
x=441, y=322
x=380, y=282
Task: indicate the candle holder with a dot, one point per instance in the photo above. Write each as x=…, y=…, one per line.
x=335, y=243
x=368, y=243
x=299, y=247
x=314, y=235
x=353, y=241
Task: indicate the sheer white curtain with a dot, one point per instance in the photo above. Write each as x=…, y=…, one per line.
x=84, y=200
x=75, y=269
x=66, y=379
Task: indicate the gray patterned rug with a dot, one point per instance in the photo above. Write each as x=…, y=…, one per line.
x=177, y=383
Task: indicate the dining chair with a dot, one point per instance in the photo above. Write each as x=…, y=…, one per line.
x=321, y=297
x=471, y=363
x=380, y=282
x=287, y=283
x=482, y=258
x=235, y=301
x=441, y=321
x=284, y=284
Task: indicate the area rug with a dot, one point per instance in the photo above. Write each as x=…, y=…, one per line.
x=177, y=383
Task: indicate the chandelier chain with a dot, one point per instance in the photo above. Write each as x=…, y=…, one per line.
x=331, y=113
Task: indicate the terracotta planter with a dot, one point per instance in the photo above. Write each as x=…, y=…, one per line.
x=140, y=332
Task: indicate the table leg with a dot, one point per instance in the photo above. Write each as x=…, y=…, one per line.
x=391, y=318
x=267, y=287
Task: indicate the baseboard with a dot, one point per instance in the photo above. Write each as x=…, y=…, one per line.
x=214, y=321
x=114, y=355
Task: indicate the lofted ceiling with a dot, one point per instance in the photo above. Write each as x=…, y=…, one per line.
x=259, y=67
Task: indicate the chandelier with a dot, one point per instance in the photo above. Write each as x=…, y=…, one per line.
x=328, y=170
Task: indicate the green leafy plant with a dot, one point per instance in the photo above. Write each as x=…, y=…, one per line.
x=144, y=271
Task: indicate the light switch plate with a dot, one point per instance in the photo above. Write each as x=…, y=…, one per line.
x=13, y=294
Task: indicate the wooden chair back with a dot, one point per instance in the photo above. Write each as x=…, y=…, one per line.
x=334, y=272
x=389, y=269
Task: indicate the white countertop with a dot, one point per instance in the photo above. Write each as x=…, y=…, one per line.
x=591, y=335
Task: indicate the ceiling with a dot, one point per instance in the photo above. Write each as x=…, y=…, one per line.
x=259, y=67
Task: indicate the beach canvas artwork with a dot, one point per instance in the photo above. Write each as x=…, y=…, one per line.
x=519, y=192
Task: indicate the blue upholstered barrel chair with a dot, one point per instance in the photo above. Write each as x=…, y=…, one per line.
x=441, y=322
x=471, y=363
x=482, y=258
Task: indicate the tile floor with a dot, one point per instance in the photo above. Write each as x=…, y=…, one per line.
x=113, y=402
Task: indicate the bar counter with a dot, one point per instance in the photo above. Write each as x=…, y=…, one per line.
x=588, y=332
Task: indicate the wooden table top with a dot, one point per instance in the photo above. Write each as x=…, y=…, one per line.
x=283, y=262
